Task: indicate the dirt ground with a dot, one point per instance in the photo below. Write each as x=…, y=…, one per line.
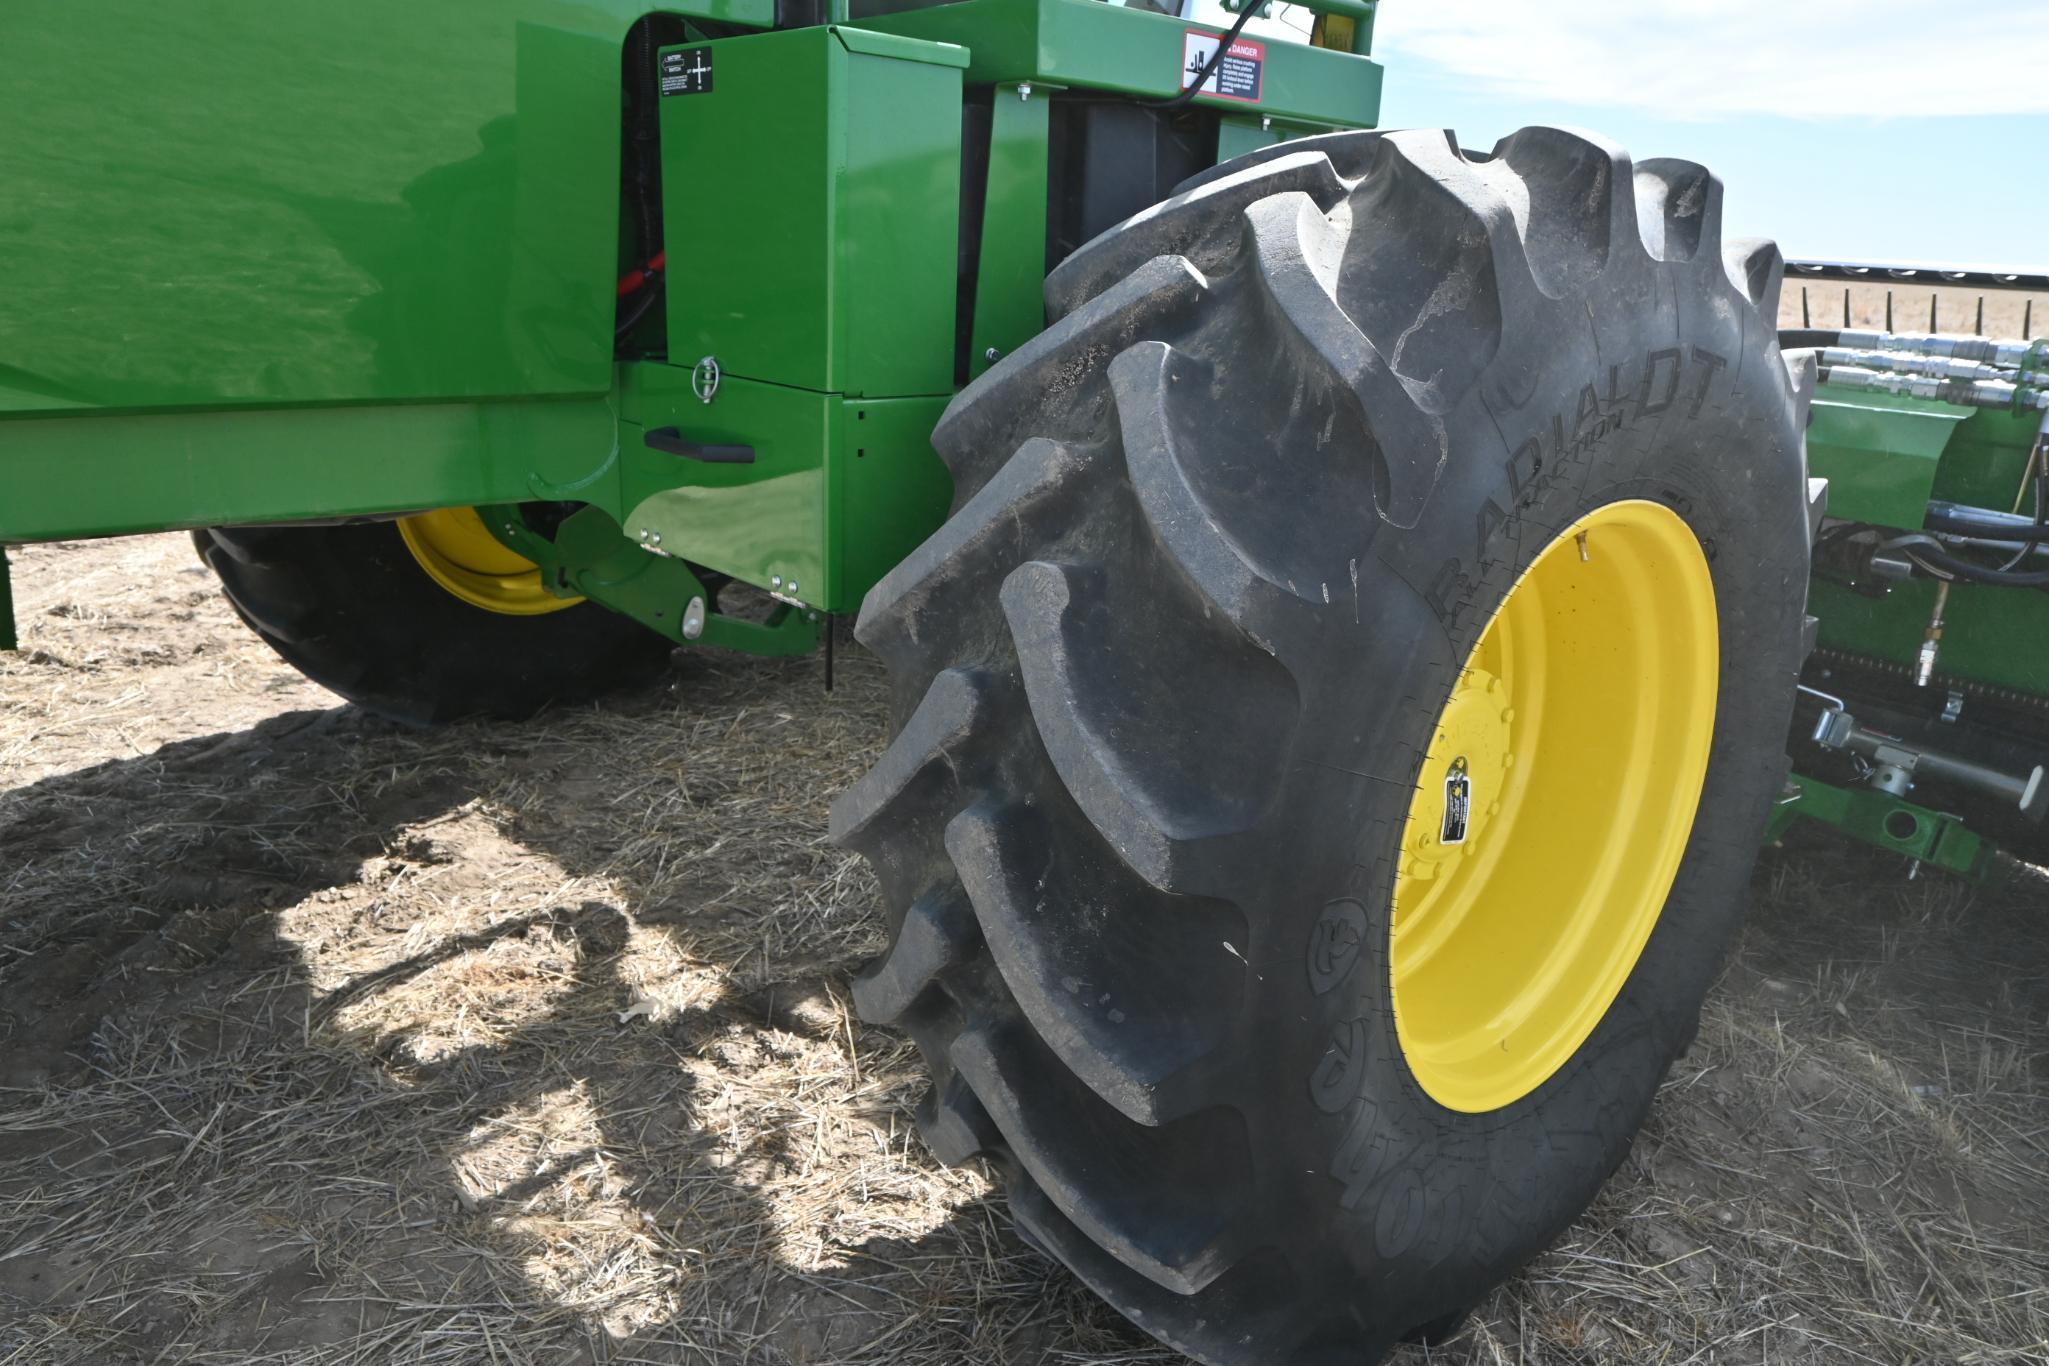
x=327, y=1041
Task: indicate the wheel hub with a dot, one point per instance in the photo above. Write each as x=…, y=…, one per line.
x=1553, y=806
x=1460, y=789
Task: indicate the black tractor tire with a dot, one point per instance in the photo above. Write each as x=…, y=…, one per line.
x=1223, y=535
x=349, y=607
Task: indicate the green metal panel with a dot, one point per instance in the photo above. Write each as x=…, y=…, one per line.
x=1880, y=457
x=1085, y=43
x=1885, y=457
x=1998, y=636
x=895, y=238
x=223, y=202
x=764, y=522
x=839, y=491
x=1236, y=137
x=818, y=180
x=888, y=491
x=1984, y=462
x=1010, y=306
x=100, y=475
x=810, y=204
x=875, y=43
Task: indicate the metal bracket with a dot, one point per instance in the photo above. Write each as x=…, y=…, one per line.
x=591, y=557
x=7, y=637
x=1893, y=765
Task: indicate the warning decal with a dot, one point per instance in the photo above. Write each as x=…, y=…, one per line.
x=1458, y=803
x=687, y=73
x=1237, y=73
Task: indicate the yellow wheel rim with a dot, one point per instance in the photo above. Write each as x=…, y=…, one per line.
x=1554, y=806
x=458, y=553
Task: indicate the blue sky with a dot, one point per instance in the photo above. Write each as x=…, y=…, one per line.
x=1886, y=130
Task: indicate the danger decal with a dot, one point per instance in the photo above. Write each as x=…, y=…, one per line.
x=1237, y=74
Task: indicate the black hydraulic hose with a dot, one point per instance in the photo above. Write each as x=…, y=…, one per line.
x=1924, y=551
x=638, y=309
x=2040, y=529
x=1960, y=519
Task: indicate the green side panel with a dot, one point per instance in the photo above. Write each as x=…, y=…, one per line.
x=889, y=491
x=878, y=44
x=765, y=522
x=1880, y=458
x=98, y=475
x=839, y=491
x=1085, y=43
x=1984, y=462
x=1010, y=303
x=224, y=202
x=1997, y=636
x=1236, y=137
x=812, y=197
x=1885, y=457
x=810, y=200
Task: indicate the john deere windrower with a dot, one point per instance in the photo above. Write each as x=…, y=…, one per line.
x=1347, y=594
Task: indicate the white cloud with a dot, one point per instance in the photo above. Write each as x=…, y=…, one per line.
x=1691, y=58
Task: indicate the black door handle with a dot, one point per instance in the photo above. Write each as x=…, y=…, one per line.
x=672, y=442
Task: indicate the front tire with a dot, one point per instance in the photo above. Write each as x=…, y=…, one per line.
x=1226, y=536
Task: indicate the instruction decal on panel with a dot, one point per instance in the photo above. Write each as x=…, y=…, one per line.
x=687, y=72
x=1237, y=74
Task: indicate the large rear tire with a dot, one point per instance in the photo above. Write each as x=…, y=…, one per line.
x=1170, y=681
x=353, y=608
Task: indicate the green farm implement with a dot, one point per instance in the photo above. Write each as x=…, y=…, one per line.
x=1351, y=600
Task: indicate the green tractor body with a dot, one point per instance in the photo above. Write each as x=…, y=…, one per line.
x=309, y=267
x=587, y=314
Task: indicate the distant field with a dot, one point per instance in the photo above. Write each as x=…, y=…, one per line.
x=2005, y=313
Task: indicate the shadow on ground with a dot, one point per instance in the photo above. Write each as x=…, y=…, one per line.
x=324, y=1040
x=327, y=1038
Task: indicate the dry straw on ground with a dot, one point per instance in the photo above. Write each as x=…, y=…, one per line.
x=324, y=1041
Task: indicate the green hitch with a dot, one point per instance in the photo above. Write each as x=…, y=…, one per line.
x=1886, y=822
x=589, y=557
